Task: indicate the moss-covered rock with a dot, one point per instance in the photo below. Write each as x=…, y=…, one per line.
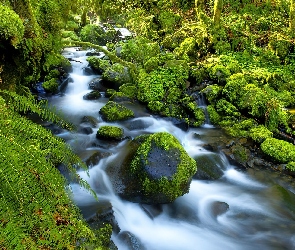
x=279, y=150
x=115, y=112
x=110, y=133
x=260, y=133
x=50, y=86
x=156, y=170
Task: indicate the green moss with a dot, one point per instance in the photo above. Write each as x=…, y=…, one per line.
x=241, y=153
x=279, y=150
x=12, y=28
x=115, y=112
x=212, y=92
x=98, y=64
x=155, y=106
x=109, y=92
x=227, y=109
x=214, y=117
x=260, y=133
x=129, y=90
x=240, y=129
x=110, y=132
x=171, y=187
x=52, y=74
x=51, y=86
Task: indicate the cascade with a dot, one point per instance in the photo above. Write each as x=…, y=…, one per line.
x=239, y=211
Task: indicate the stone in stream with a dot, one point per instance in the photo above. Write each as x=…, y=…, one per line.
x=96, y=157
x=155, y=169
x=93, y=95
x=115, y=112
x=130, y=240
x=85, y=130
x=97, y=84
x=110, y=133
x=90, y=120
x=104, y=214
x=209, y=167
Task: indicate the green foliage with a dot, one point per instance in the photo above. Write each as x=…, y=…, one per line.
x=98, y=64
x=212, y=92
x=214, y=117
x=260, y=133
x=139, y=50
x=93, y=33
x=110, y=133
x=50, y=86
x=129, y=90
x=240, y=129
x=280, y=151
x=12, y=28
x=227, y=109
x=35, y=208
x=115, y=112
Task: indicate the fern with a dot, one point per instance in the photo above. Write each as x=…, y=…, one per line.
x=35, y=209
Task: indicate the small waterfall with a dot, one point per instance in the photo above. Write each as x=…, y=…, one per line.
x=201, y=101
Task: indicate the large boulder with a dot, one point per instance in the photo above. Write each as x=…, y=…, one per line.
x=155, y=169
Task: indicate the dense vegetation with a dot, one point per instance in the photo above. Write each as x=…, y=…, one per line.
x=239, y=54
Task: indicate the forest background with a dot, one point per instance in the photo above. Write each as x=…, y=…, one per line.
x=239, y=54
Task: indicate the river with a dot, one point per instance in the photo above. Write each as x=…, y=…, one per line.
x=241, y=210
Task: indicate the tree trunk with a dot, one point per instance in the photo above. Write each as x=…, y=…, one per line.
x=218, y=5
x=292, y=18
x=199, y=6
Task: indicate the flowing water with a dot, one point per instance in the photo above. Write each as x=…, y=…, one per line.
x=241, y=210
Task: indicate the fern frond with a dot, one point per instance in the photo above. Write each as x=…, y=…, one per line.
x=35, y=210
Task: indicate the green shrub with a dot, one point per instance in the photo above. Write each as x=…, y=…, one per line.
x=260, y=133
x=11, y=27
x=214, y=117
x=93, y=34
x=279, y=150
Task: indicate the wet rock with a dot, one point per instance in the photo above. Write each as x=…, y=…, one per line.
x=152, y=210
x=93, y=95
x=93, y=53
x=90, y=120
x=209, y=167
x=85, y=130
x=88, y=71
x=137, y=124
x=103, y=215
x=130, y=241
x=177, y=122
x=154, y=170
x=96, y=157
x=219, y=208
x=97, y=84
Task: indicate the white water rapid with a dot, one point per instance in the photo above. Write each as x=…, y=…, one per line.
x=240, y=211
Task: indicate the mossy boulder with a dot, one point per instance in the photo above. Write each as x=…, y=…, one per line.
x=279, y=150
x=51, y=86
x=113, y=111
x=110, y=133
x=156, y=169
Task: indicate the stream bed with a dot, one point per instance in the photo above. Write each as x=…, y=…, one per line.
x=252, y=209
